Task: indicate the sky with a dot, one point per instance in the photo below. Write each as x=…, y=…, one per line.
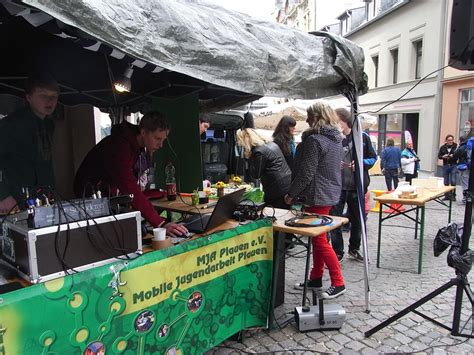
x=263, y=9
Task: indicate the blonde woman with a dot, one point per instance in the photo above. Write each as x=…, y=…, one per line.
x=266, y=162
x=317, y=184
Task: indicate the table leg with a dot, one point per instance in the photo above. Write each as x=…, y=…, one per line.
x=278, y=243
x=306, y=271
x=450, y=206
x=379, y=235
x=422, y=230
x=416, y=221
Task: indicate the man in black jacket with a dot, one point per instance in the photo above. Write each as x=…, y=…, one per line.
x=446, y=153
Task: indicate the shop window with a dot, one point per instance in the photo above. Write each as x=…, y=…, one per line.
x=466, y=112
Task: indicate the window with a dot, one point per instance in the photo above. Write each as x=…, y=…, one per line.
x=418, y=58
x=466, y=112
x=388, y=126
x=375, y=60
x=394, y=53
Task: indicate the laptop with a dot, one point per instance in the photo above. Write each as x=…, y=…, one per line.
x=223, y=211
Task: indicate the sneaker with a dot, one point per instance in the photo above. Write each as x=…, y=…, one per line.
x=333, y=292
x=340, y=258
x=316, y=284
x=356, y=255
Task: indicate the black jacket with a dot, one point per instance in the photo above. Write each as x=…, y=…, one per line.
x=444, y=150
x=268, y=164
x=288, y=156
x=25, y=153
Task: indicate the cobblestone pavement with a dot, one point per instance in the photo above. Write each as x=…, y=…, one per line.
x=394, y=286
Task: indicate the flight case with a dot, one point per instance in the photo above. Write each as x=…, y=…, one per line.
x=47, y=253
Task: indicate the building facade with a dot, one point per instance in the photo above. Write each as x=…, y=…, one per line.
x=310, y=15
x=403, y=41
x=457, y=113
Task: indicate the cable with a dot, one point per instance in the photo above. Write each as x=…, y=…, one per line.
x=294, y=221
x=419, y=81
x=406, y=92
x=8, y=213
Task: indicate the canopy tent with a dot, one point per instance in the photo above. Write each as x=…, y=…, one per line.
x=175, y=48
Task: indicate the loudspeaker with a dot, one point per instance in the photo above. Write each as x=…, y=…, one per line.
x=461, y=47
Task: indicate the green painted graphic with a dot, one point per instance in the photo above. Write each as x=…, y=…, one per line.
x=181, y=300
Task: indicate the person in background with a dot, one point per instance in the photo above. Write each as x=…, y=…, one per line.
x=266, y=162
x=410, y=162
x=117, y=163
x=204, y=123
x=390, y=164
x=317, y=184
x=461, y=157
x=349, y=191
x=283, y=137
x=446, y=153
x=26, y=138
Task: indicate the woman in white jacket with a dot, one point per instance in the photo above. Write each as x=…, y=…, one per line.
x=410, y=162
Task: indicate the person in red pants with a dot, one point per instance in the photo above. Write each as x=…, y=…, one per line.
x=316, y=183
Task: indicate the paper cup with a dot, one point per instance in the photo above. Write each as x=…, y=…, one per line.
x=161, y=244
x=159, y=234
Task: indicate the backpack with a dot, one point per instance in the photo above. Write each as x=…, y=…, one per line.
x=469, y=146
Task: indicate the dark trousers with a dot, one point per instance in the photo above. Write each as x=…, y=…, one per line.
x=391, y=175
x=349, y=197
x=449, y=174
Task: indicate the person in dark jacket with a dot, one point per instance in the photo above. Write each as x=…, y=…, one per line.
x=446, y=153
x=349, y=190
x=390, y=164
x=26, y=138
x=283, y=136
x=119, y=161
x=267, y=163
x=460, y=155
x=317, y=184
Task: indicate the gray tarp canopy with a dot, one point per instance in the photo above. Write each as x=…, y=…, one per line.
x=175, y=46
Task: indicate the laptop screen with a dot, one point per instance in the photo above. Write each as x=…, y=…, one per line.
x=223, y=211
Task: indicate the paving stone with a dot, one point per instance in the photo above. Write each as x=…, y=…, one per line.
x=288, y=344
x=341, y=339
x=274, y=347
x=333, y=346
x=354, y=345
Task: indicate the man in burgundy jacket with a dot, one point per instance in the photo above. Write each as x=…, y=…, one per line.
x=118, y=162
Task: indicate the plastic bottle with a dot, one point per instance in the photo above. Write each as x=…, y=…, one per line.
x=151, y=178
x=170, y=182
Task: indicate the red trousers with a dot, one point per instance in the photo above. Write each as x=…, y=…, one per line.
x=323, y=253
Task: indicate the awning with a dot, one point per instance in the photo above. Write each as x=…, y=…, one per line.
x=176, y=47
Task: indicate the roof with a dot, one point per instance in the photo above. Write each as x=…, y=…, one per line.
x=176, y=48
